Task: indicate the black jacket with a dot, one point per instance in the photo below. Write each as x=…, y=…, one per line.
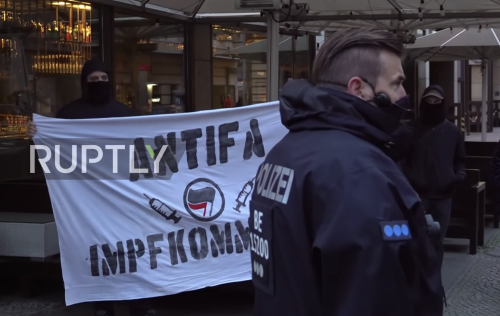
x=82, y=108
x=436, y=163
x=326, y=200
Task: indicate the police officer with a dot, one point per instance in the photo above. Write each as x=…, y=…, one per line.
x=335, y=227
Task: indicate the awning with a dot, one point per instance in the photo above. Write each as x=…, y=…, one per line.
x=457, y=44
x=331, y=15
x=328, y=7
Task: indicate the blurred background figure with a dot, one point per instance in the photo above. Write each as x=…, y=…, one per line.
x=436, y=163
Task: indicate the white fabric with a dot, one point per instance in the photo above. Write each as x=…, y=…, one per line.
x=90, y=212
x=457, y=44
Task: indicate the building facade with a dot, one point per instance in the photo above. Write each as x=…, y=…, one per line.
x=159, y=64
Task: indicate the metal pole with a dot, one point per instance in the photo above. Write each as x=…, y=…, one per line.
x=272, y=55
x=312, y=53
x=456, y=88
x=294, y=48
x=484, y=105
x=244, y=91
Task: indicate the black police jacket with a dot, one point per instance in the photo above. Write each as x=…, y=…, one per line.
x=336, y=229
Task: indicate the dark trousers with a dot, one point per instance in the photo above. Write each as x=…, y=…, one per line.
x=440, y=210
x=137, y=307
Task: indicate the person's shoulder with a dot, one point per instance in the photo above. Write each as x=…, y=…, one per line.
x=118, y=104
x=63, y=111
x=452, y=129
x=348, y=146
x=73, y=103
x=347, y=153
x=450, y=126
x=121, y=109
x=323, y=145
x=327, y=149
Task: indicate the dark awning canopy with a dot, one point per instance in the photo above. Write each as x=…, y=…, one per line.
x=330, y=15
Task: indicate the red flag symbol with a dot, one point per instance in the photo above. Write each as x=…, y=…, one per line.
x=199, y=199
x=199, y=207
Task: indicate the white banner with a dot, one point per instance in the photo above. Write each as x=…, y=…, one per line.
x=154, y=205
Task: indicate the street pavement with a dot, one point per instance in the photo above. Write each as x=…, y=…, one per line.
x=228, y=300
x=472, y=284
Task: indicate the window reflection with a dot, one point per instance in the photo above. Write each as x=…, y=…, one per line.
x=239, y=67
x=240, y=64
x=294, y=58
x=13, y=121
x=43, y=46
x=149, y=65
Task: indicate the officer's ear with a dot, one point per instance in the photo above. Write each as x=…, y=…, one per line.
x=357, y=87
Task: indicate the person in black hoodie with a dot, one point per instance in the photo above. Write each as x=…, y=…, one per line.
x=96, y=102
x=335, y=227
x=436, y=163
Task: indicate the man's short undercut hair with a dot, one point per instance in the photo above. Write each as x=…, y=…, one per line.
x=354, y=53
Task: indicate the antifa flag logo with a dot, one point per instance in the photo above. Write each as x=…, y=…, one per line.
x=204, y=200
x=199, y=199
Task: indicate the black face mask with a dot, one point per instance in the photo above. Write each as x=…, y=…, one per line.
x=432, y=114
x=399, y=109
x=403, y=134
x=388, y=119
x=98, y=92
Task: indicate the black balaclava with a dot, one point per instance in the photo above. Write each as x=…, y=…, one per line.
x=95, y=92
x=433, y=114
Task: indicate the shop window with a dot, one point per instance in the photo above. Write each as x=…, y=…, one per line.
x=149, y=64
x=240, y=64
x=43, y=46
x=239, y=67
x=293, y=58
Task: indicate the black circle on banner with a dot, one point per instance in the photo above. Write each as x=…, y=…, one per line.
x=190, y=211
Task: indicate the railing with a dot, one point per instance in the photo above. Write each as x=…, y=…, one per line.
x=469, y=118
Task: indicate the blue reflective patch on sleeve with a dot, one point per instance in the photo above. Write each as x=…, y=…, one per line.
x=395, y=230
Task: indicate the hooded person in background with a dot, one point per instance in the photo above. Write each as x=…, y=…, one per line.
x=436, y=163
x=96, y=102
